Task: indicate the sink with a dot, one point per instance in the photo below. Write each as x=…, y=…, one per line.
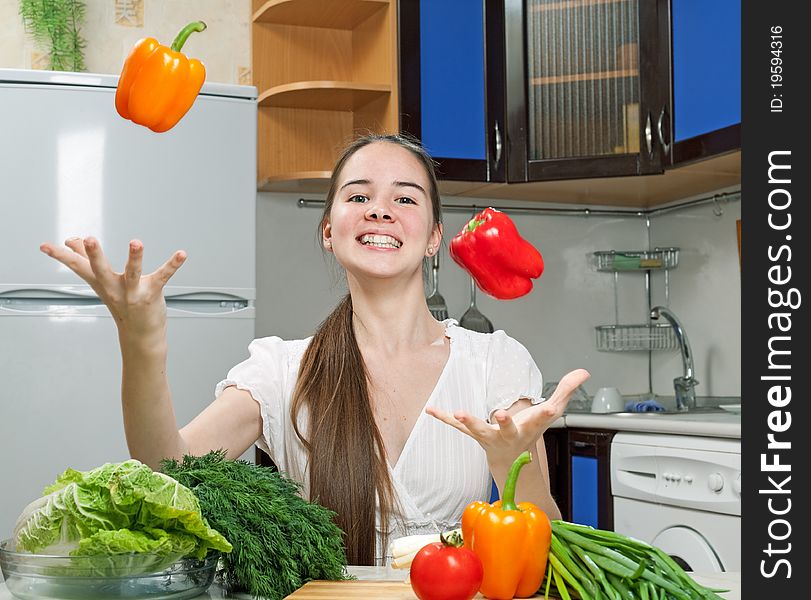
x=706, y=406
x=698, y=409
x=708, y=415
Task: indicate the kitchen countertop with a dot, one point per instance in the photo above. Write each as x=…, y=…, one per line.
x=730, y=581
x=704, y=423
x=374, y=587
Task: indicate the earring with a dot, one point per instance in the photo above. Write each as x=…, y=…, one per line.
x=430, y=251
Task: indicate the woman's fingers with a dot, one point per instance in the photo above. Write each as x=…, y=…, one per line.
x=132, y=270
x=568, y=384
x=476, y=428
x=506, y=425
x=507, y=432
x=71, y=259
x=447, y=418
x=76, y=244
x=98, y=262
x=170, y=267
x=556, y=404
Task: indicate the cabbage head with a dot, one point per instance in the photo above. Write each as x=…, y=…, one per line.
x=117, y=508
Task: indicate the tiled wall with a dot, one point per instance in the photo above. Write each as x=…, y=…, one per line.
x=113, y=26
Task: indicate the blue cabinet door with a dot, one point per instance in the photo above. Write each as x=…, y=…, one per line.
x=706, y=73
x=584, y=490
x=451, y=89
x=589, y=468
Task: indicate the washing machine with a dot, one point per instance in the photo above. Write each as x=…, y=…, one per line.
x=682, y=494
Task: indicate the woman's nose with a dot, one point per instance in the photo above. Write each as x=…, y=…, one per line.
x=378, y=213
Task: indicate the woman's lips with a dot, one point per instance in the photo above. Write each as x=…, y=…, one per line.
x=379, y=241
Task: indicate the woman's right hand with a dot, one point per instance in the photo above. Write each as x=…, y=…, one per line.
x=135, y=301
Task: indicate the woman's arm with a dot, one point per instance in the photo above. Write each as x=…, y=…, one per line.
x=137, y=305
x=533, y=484
x=515, y=430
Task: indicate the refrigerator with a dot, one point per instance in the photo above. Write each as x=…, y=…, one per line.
x=71, y=166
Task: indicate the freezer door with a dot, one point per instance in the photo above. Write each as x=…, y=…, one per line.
x=60, y=402
x=71, y=166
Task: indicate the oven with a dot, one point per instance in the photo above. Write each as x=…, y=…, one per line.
x=681, y=494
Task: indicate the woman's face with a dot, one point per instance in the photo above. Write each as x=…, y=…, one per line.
x=381, y=224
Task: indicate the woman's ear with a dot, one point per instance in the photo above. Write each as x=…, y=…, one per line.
x=326, y=236
x=436, y=238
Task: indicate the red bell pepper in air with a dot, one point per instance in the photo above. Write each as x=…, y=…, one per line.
x=502, y=263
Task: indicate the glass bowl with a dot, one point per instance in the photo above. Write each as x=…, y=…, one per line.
x=132, y=576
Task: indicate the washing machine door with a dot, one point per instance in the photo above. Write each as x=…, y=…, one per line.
x=689, y=548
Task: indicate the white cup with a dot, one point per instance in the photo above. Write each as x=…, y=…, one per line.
x=607, y=399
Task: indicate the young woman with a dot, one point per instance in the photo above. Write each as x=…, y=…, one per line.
x=388, y=417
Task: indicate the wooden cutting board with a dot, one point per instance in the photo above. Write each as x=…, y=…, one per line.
x=347, y=590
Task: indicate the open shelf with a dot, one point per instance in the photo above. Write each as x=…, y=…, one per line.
x=304, y=182
x=323, y=95
x=331, y=14
x=326, y=71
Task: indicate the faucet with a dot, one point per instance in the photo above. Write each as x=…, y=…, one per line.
x=684, y=385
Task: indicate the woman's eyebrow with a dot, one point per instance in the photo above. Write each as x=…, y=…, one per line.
x=395, y=183
x=356, y=182
x=410, y=184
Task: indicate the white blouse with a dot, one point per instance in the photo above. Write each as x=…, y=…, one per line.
x=440, y=470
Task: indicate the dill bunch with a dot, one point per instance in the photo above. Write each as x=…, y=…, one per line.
x=280, y=540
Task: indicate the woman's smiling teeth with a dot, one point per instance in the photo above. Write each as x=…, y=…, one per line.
x=380, y=241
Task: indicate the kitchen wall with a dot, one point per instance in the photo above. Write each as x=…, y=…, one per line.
x=113, y=26
x=297, y=286
x=705, y=294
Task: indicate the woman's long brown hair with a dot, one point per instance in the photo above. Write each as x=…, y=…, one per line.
x=347, y=458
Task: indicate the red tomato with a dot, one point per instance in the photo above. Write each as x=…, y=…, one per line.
x=440, y=572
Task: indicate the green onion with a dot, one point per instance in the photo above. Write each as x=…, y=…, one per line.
x=568, y=577
x=564, y=593
x=596, y=563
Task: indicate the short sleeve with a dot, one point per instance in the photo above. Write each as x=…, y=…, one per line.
x=264, y=375
x=511, y=374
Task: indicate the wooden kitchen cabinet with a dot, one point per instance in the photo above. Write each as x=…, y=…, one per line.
x=325, y=70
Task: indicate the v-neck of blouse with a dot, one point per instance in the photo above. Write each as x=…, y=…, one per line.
x=449, y=323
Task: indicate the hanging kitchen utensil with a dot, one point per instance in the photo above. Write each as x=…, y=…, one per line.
x=473, y=319
x=436, y=303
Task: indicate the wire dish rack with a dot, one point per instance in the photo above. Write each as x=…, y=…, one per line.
x=637, y=260
x=630, y=338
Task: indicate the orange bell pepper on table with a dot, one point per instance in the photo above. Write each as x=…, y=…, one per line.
x=159, y=84
x=512, y=540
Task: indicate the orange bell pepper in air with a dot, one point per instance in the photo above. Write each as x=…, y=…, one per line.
x=159, y=84
x=512, y=540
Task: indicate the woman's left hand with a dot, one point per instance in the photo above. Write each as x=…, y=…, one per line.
x=510, y=435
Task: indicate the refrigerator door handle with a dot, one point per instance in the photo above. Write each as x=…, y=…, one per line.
x=48, y=302
x=208, y=304
x=210, y=308
x=53, y=307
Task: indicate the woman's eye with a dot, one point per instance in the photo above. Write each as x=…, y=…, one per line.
x=405, y=200
x=358, y=198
